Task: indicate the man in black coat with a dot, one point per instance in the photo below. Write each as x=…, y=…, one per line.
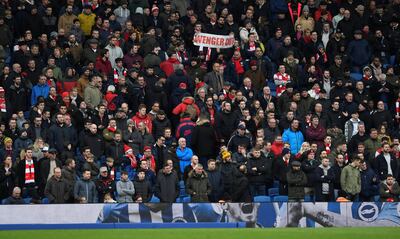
x=115, y=149
x=257, y=171
x=93, y=140
x=240, y=138
x=386, y=163
x=204, y=140
x=226, y=122
x=28, y=175
x=17, y=97
x=167, y=185
x=160, y=152
x=215, y=178
x=58, y=134
x=282, y=167
x=324, y=178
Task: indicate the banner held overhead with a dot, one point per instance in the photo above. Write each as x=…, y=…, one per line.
x=213, y=41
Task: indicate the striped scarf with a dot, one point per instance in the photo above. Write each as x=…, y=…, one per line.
x=328, y=148
x=29, y=172
x=116, y=74
x=398, y=107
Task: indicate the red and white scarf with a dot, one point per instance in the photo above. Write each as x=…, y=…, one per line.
x=29, y=172
x=398, y=107
x=328, y=148
x=281, y=77
x=112, y=173
x=116, y=75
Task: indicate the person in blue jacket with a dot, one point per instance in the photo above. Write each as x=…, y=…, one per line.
x=184, y=154
x=293, y=136
x=40, y=89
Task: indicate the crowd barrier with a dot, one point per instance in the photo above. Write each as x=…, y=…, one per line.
x=200, y=215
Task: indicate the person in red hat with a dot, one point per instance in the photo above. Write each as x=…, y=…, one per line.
x=148, y=156
x=129, y=157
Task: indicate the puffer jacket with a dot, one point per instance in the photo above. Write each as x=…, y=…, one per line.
x=198, y=186
x=297, y=180
x=294, y=138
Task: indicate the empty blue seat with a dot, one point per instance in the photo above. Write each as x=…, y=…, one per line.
x=356, y=76
x=308, y=198
x=273, y=192
x=154, y=199
x=181, y=184
x=186, y=199
x=262, y=199
x=27, y=200
x=45, y=201
x=377, y=198
x=280, y=198
x=276, y=184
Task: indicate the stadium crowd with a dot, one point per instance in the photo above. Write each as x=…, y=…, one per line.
x=110, y=100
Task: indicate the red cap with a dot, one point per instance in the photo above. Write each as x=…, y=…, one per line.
x=127, y=148
x=147, y=148
x=253, y=63
x=65, y=94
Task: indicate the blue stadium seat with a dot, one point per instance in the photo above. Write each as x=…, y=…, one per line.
x=308, y=198
x=262, y=199
x=181, y=184
x=45, y=201
x=154, y=199
x=27, y=200
x=273, y=192
x=356, y=76
x=272, y=86
x=280, y=199
x=4, y=201
x=276, y=184
x=186, y=199
x=377, y=198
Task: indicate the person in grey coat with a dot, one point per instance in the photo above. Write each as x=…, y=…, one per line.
x=85, y=189
x=125, y=189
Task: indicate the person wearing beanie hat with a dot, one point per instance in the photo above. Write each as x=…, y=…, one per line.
x=23, y=141
x=351, y=125
x=226, y=155
x=130, y=161
x=296, y=180
x=105, y=185
x=306, y=20
x=282, y=166
x=149, y=157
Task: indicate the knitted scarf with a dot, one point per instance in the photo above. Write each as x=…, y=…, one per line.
x=238, y=66
x=328, y=148
x=116, y=75
x=29, y=172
